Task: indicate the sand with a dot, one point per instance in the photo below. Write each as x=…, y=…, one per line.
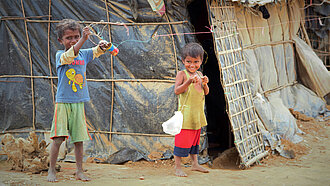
x=309, y=167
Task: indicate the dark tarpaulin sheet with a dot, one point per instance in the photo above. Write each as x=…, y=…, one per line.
x=138, y=106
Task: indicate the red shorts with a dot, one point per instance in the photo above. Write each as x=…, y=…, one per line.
x=187, y=142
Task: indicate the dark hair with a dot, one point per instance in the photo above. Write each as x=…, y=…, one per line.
x=66, y=24
x=193, y=50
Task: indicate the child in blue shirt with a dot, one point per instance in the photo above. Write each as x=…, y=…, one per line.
x=72, y=92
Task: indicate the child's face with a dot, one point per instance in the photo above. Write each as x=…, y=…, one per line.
x=192, y=64
x=70, y=38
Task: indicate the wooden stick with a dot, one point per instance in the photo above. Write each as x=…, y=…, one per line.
x=243, y=96
x=273, y=43
x=174, y=47
x=322, y=52
x=103, y=132
x=235, y=82
x=96, y=80
x=302, y=26
x=112, y=75
x=254, y=159
x=278, y=88
x=48, y=53
x=19, y=18
x=110, y=23
x=27, y=76
x=31, y=71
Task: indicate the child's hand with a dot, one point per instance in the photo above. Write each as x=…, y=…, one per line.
x=194, y=78
x=104, y=44
x=86, y=32
x=205, y=80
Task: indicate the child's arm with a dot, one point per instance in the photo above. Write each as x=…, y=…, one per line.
x=181, y=85
x=68, y=56
x=206, y=89
x=85, y=34
x=99, y=49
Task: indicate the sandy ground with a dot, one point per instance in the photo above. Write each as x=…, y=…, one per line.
x=309, y=167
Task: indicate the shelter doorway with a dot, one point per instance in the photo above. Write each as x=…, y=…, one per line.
x=219, y=133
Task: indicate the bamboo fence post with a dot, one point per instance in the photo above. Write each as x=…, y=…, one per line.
x=286, y=61
x=95, y=80
x=48, y=53
x=112, y=75
x=272, y=48
x=104, y=23
x=31, y=72
x=174, y=46
x=27, y=19
x=102, y=132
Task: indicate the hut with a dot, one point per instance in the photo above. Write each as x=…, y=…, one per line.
x=259, y=68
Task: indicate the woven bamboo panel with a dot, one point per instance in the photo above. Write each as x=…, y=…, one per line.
x=240, y=108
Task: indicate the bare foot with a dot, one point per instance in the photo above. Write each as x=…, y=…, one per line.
x=51, y=176
x=81, y=176
x=199, y=168
x=179, y=172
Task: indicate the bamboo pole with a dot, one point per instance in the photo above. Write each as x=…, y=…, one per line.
x=21, y=18
x=95, y=80
x=31, y=71
x=108, y=23
x=48, y=53
x=278, y=88
x=253, y=46
x=254, y=159
x=103, y=132
x=26, y=76
x=112, y=75
x=286, y=62
x=302, y=26
x=174, y=46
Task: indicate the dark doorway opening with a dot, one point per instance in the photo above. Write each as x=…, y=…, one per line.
x=219, y=133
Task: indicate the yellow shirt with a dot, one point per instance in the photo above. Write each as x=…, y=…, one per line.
x=193, y=108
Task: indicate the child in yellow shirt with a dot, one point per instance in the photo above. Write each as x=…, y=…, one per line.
x=191, y=86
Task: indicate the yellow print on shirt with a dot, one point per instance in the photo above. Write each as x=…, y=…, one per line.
x=75, y=78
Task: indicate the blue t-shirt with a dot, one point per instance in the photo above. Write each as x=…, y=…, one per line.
x=72, y=84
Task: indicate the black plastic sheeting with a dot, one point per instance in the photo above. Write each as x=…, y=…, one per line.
x=320, y=27
x=139, y=107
